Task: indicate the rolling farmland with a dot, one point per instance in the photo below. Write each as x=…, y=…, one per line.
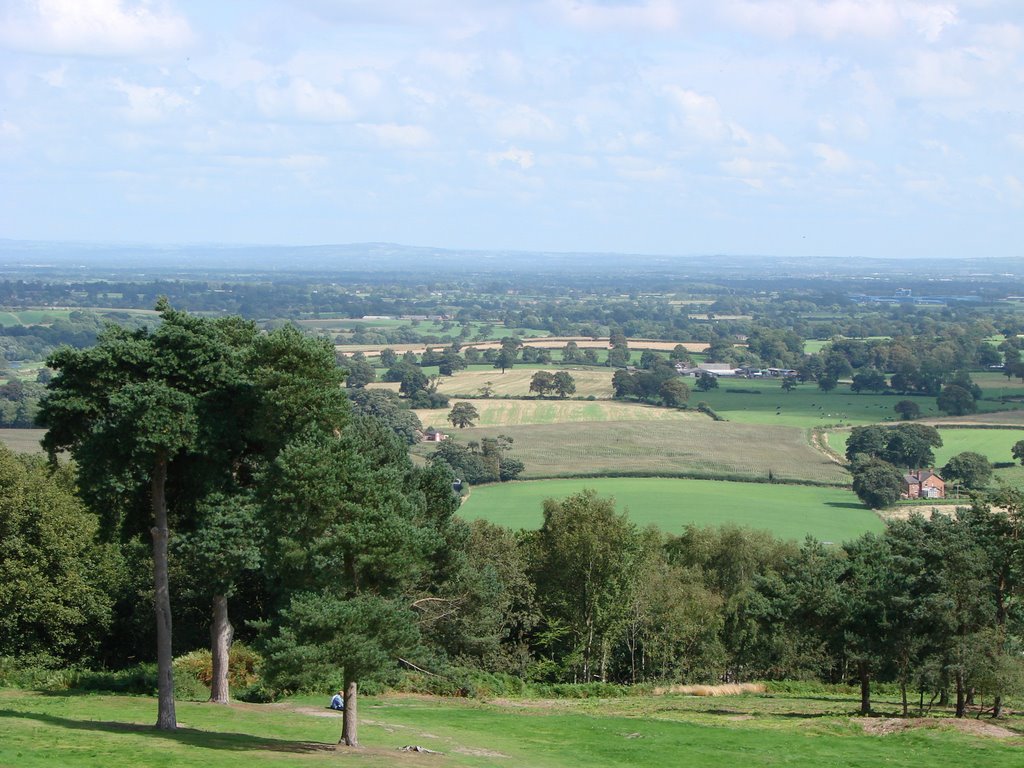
x=788, y=511
x=702, y=448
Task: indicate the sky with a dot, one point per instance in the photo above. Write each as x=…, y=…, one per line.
x=837, y=128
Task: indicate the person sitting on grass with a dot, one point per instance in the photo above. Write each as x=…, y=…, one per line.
x=338, y=702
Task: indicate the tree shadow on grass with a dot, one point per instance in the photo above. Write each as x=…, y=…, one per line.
x=846, y=505
x=192, y=737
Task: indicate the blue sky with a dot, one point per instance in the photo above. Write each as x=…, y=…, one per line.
x=786, y=127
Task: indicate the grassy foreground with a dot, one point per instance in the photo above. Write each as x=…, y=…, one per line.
x=788, y=511
x=77, y=731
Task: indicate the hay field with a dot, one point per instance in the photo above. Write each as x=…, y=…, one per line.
x=788, y=511
x=516, y=382
x=500, y=413
x=996, y=418
x=22, y=440
x=701, y=448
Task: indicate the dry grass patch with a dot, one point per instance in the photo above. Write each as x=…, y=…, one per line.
x=997, y=418
x=734, y=689
x=499, y=413
x=697, y=448
x=516, y=382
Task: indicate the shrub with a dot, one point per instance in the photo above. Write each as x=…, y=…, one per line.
x=244, y=666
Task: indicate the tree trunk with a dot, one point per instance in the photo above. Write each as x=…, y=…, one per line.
x=865, y=688
x=903, y=697
x=349, y=723
x=961, y=694
x=166, y=719
x=221, y=635
x=997, y=706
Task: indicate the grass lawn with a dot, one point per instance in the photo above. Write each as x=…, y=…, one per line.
x=788, y=511
x=501, y=413
x=697, y=448
x=97, y=731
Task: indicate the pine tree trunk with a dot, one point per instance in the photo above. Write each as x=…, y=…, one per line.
x=997, y=706
x=903, y=697
x=349, y=722
x=166, y=718
x=221, y=635
x=961, y=698
x=865, y=688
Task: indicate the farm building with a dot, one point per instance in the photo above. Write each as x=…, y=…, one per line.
x=434, y=436
x=923, y=484
x=714, y=369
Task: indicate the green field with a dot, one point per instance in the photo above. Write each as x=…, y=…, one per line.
x=11, y=317
x=43, y=730
x=697, y=448
x=788, y=511
x=805, y=406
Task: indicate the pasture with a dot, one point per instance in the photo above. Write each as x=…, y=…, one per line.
x=994, y=444
x=503, y=413
x=765, y=402
x=788, y=511
x=694, y=448
x=76, y=730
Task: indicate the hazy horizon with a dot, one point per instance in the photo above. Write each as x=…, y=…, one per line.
x=784, y=128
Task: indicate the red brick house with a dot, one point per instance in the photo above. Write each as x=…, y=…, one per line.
x=923, y=484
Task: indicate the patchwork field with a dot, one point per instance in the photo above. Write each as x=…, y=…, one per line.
x=500, y=413
x=788, y=511
x=42, y=730
x=701, y=448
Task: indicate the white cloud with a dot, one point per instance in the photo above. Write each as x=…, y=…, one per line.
x=702, y=116
x=148, y=104
x=641, y=169
x=399, y=136
x=303, y=101
x=92, y=27
x=514, y=121
x=9, y=131
x=523, y=158
x=836, y=19
x=650, y=14
x=832, y=159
